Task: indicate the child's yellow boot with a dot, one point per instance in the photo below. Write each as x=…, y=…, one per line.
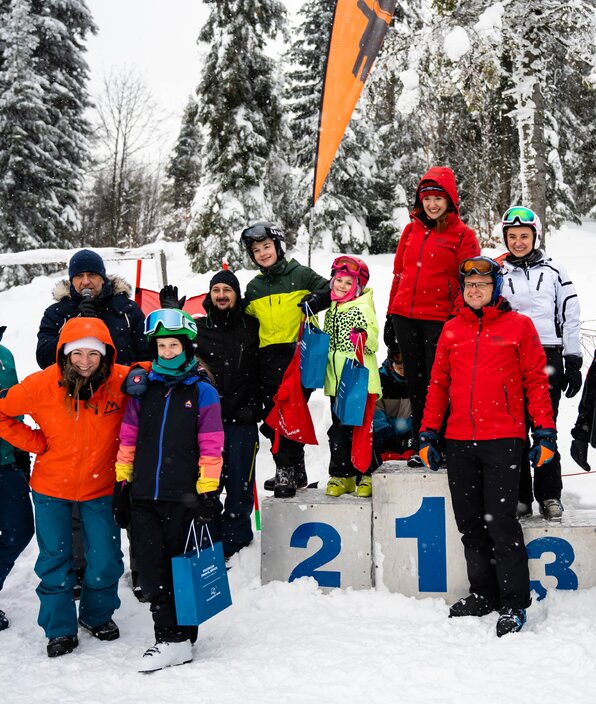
x=365, y=487
x=336, y=486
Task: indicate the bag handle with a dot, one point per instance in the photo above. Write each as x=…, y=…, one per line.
x=192, y=531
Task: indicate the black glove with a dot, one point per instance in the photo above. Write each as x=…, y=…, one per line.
x=208, y=506
x=135, y=383
x=168, y=297
x=579, y=452
x=389, y=333
x=316, y=301
x=121, y=504
x=572, y=380
x=87, y=308
x=22, y=460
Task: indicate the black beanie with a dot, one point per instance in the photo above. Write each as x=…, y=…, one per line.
x=86, y=260
x=225, y=276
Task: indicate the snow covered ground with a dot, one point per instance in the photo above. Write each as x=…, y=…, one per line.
x=289, y=642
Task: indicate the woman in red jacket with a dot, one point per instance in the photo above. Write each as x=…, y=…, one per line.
x=78, y=405
x=426, y=282
x=489, y=359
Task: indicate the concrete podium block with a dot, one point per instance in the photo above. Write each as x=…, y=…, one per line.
x=418, y=551
x=324, y=537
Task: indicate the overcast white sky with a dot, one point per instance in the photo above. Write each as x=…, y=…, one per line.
x=156, y=38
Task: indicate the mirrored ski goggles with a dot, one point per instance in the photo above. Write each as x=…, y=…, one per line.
x=256, y=233
x=522, y=216
x=478, y=265
x=170, y=319
x=349, y=266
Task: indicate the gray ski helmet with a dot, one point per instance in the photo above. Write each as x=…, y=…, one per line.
x=520, y=216
x=261, y=231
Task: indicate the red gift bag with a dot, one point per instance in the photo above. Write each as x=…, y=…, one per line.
x=290, y=416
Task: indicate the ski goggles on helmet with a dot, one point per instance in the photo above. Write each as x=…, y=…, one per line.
x=170, y=320
x=351, y=265
x=261, y=231
x=478, y=265
x=519, y=215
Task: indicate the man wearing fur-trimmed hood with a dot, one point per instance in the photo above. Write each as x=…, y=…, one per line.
x=90, y=292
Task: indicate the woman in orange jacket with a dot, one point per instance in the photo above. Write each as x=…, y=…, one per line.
x=77, y=405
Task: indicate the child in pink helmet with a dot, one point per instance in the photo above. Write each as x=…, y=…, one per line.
x=351, y=322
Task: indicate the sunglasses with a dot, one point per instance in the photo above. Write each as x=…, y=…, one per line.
x=520, y=215
x=349, y=266
x=170, y=319
x=478, y=265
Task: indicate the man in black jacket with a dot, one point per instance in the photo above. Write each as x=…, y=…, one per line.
x=228, y=344
x=91, y=293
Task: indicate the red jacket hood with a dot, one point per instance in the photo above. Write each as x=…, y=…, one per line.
x=76, y=328
x=445, y=177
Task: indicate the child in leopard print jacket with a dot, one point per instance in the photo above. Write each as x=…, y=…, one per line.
x=351, y=320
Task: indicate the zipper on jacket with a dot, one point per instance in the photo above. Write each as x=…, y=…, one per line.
x=160, y=445
x=474, y=378
x=539, y=280
x=418, y=267
x=507, y=403
x=511, y=285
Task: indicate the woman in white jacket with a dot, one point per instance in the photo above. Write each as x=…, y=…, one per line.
x=540, y=288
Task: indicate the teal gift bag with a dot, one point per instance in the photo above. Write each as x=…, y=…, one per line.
x=350, y=402
x=201, y=588
x=314, y=348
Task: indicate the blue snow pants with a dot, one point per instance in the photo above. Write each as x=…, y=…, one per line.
x=55, y=566
x=16, y=517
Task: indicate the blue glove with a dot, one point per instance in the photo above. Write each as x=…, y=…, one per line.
x=429, y=451
x=135, y=383
x=544, y=447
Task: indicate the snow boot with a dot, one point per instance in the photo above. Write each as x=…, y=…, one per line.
x=523, y=509
x=104, y=631
x=336, y=486
x=285, y=485
x=3, y=621
x=472, y=605
x=163, y=655
x=510, y=621
x=61, y=645
x=551, y=510
x=364, y=489
x=300, y=479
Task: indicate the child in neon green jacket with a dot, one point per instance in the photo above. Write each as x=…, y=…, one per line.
x=351, y=322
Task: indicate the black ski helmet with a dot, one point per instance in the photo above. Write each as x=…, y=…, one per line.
x=261, y=231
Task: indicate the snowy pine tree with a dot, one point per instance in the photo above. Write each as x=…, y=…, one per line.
x=240, y=114
x=183, y=174
x=43, y=132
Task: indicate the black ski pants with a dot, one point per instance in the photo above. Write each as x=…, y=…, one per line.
x=417, y=343
x=483, y=480
x=340, y=447
x=159, y=532
x=547, y=479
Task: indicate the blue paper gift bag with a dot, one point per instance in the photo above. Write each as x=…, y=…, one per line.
x=350, y=402
x=314, y=348
x=201, y=588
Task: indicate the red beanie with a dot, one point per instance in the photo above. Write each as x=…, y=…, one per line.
x=431, y=188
